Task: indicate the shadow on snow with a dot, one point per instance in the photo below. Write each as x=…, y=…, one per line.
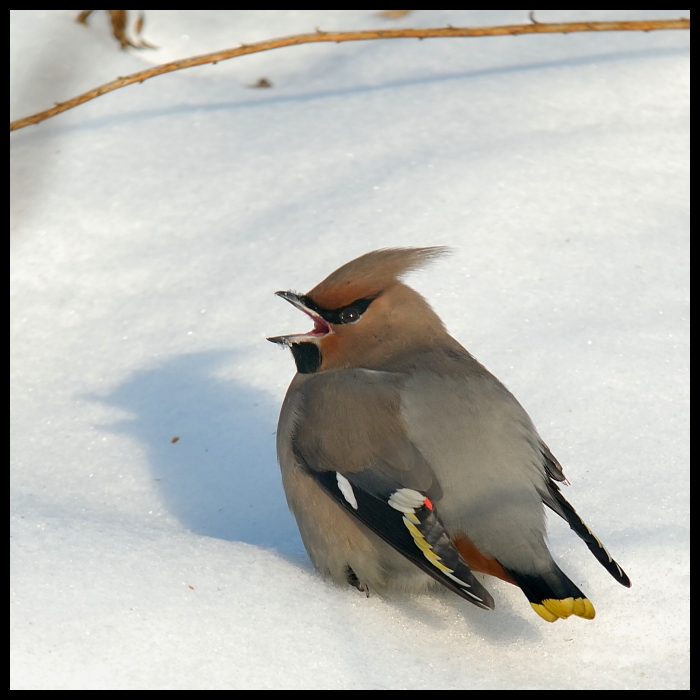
x=220, y=478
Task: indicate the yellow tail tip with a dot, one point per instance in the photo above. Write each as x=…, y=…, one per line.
x=552, y=609
x=544, y=613
x=589, y=610
x=561, y=608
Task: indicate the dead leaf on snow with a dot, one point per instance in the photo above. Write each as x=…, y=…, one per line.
x=262, y=83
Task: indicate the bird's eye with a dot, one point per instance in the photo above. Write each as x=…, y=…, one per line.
x=349, y=315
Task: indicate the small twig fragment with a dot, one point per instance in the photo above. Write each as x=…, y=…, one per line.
x=82, y=17
x=394, y=14
x=138, y=30
x=118, y=18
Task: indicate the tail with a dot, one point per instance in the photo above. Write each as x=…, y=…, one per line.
x=553, y=595
x=563, y=508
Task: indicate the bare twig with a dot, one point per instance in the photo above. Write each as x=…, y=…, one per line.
x=339, y=37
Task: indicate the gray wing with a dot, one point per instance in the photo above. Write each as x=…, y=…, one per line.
x=353, y=443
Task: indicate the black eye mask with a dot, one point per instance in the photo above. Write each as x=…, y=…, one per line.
x=344, y=315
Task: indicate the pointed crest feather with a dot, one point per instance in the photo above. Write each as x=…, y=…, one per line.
x=371, y=274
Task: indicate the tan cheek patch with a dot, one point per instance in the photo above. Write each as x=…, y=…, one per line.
x=331, y=351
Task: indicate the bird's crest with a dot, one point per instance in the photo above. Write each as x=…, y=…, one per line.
x=371, y=274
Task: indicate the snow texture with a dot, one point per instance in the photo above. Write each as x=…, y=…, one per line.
x=149, y=230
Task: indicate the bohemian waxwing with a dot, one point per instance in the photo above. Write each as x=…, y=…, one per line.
x=404, y=461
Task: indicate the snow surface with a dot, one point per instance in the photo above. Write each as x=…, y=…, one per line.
x=149, y=230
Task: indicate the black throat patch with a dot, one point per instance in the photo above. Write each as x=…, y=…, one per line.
x=307, y=357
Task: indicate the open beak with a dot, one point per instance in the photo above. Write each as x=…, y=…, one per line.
x=321, y=327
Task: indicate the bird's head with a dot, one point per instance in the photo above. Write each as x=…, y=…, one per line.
x=363, y=314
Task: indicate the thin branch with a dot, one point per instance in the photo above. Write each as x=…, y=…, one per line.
x=339, y=37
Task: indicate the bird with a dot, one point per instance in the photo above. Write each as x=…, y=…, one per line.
x=407, y=464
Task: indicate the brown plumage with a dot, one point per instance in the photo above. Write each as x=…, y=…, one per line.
x=405, y=462
x=370, y=274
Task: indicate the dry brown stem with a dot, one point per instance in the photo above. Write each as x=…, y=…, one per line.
x=339, y=37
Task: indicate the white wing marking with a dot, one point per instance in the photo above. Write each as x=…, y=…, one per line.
x=346, y=489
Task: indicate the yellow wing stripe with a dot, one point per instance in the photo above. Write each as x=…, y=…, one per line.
x=430, y=554
x=424, y=547
x=415, y=532
x=442, y=567
x=408, y=520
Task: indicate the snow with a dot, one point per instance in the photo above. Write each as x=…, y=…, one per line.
x=149, y=230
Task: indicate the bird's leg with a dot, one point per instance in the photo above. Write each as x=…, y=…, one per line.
x=352, y=579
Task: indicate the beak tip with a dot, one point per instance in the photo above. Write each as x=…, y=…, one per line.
x=291, y=297
x=295, y=300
